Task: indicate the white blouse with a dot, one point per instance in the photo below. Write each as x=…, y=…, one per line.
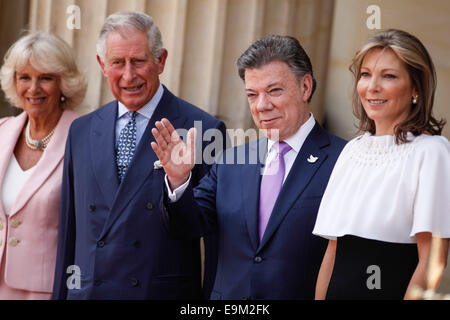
x=13, y=182
x=383, y=191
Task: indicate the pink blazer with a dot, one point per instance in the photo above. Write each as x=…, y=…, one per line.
x=33, y=221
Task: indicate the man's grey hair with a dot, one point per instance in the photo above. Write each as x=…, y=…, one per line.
x=131, y=21
x=277, y=48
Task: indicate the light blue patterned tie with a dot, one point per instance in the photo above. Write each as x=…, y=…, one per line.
x=126, y=146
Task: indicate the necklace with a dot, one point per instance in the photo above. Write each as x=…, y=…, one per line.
x=36, y=144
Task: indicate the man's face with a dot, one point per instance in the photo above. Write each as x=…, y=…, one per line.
x=277, y=102
x=130, y=68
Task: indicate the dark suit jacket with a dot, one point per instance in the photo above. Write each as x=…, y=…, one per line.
x=114, y=232
x=286, y=262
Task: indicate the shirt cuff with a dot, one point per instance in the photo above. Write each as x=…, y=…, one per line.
x=176, y=194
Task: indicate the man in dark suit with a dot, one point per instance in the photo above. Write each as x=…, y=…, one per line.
x=110, y=228
x=263, y=210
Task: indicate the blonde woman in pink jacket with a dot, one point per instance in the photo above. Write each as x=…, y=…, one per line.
x=40, y=76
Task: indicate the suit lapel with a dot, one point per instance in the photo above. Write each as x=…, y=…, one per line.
x=102, y=150
x=141, y=166
x=251, y=180
x=298, y=179
x=50, y=159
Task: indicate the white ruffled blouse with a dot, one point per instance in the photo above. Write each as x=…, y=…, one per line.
x=383, y=191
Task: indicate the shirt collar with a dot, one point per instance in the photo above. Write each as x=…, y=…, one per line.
x=297, y=139
x=148, y=109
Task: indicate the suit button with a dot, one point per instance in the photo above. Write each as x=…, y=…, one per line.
x=258, y=259
x=149, y=206
x=13, y=242
x=92, y=207
x=100, y=244
x=134, y=282
x=97, y=283
x=137, y=244
x=15, y=223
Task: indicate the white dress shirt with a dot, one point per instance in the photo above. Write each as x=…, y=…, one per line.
x=295, y=142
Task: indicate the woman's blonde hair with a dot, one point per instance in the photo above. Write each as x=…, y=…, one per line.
x=49, y=54
x=421, y=70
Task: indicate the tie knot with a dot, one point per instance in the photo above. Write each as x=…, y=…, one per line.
x=132, y=114
x=283, y=148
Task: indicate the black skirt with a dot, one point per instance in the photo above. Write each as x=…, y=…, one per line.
x=371, y=270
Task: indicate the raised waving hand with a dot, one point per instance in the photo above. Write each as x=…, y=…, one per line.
x=176, y=157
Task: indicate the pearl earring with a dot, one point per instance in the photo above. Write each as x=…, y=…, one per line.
x=415, y=100
x=63, y=98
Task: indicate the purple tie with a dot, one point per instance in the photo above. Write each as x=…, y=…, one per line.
x=271, y=183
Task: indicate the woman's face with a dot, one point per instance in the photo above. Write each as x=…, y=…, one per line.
x=39, y=93
x=385, y=89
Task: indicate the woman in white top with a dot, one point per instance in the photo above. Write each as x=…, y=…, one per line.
x=39, y=76
x=388, y=193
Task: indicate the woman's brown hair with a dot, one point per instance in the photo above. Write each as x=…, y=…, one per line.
x=423, y=78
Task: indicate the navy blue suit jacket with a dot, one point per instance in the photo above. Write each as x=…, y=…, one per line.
x=114, y=232
x=285, y=264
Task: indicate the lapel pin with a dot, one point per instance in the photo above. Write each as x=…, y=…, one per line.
x=312, y=159
x=157, y=165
